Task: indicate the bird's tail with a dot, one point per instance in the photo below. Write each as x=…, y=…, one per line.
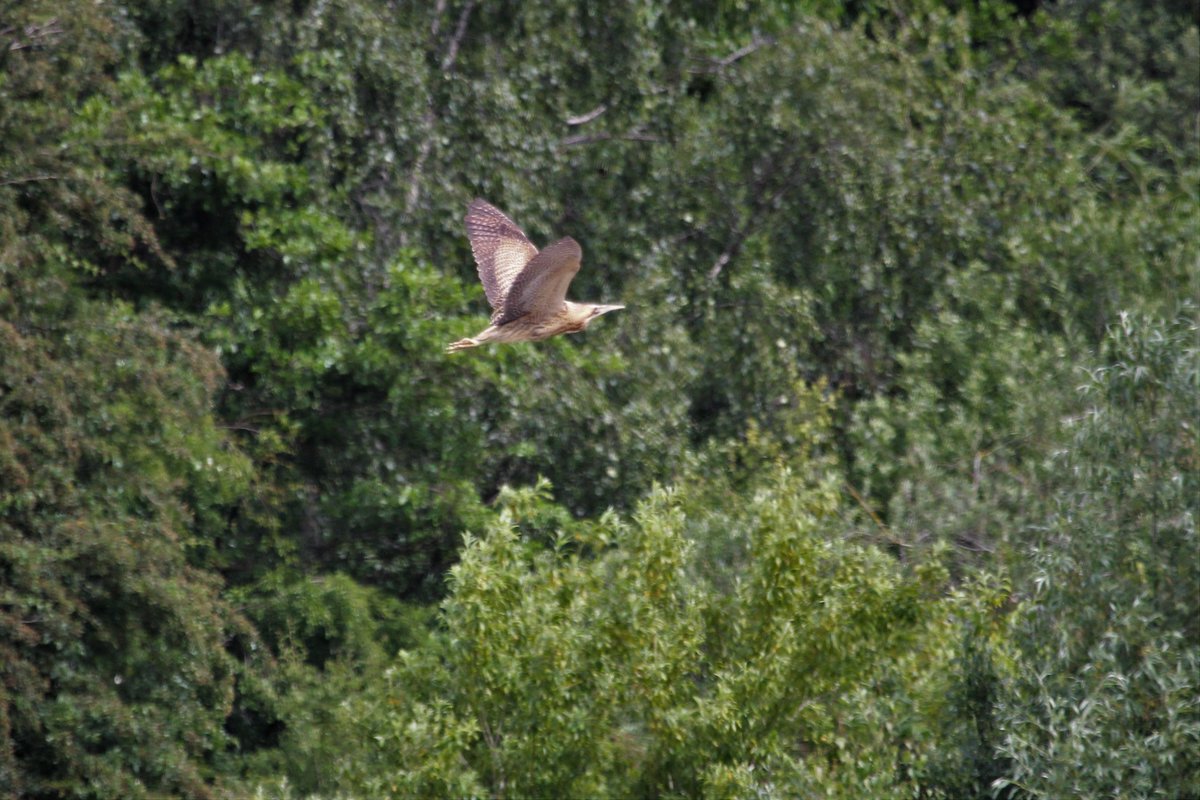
x=461, y=344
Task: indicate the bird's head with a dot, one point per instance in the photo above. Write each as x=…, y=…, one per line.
x=580, y=315
x=595, y=311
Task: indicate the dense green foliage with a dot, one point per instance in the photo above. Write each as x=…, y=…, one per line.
x=885, y=484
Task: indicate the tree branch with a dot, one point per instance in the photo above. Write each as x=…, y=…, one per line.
x=429, y=120
x=35, y=35
x=757, y=210
x=862, y=502
x=735, y=245
x=456, y=40
x=591, y=138
x=438, y=11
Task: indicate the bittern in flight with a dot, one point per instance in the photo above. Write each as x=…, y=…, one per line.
x=527, y=289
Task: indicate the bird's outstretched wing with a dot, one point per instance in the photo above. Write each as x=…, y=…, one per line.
x=541, y=288
x=501, y=251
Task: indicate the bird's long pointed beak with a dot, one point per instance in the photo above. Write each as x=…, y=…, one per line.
x=605, y=309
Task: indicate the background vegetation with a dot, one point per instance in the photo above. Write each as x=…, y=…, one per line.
x=885, y=484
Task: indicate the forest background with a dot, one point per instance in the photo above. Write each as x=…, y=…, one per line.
x=884, y=485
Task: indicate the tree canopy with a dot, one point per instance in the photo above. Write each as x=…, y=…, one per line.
x=885, y=483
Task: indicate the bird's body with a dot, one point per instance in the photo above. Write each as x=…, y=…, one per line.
x=571, y=318
x=526, y=287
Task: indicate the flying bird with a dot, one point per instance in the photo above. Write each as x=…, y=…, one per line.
x=526, y=288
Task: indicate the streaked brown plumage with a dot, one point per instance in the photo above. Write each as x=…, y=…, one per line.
x=527, y=289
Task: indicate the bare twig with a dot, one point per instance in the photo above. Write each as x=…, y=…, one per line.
x=35, y=35
x=438, y=11
x=968, y=542
x=583, y=119
x=154, y=196
x=724, y=259
x=456, y=40
x=30, y=179
x=735, y=245
x=493, y=745
x=414, y=182
x=737, y=55
x=592, y=138
x=858, y=497
x=233, y=426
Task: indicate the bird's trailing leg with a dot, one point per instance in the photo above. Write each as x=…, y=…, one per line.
x=489, y=334
x=462, y=344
